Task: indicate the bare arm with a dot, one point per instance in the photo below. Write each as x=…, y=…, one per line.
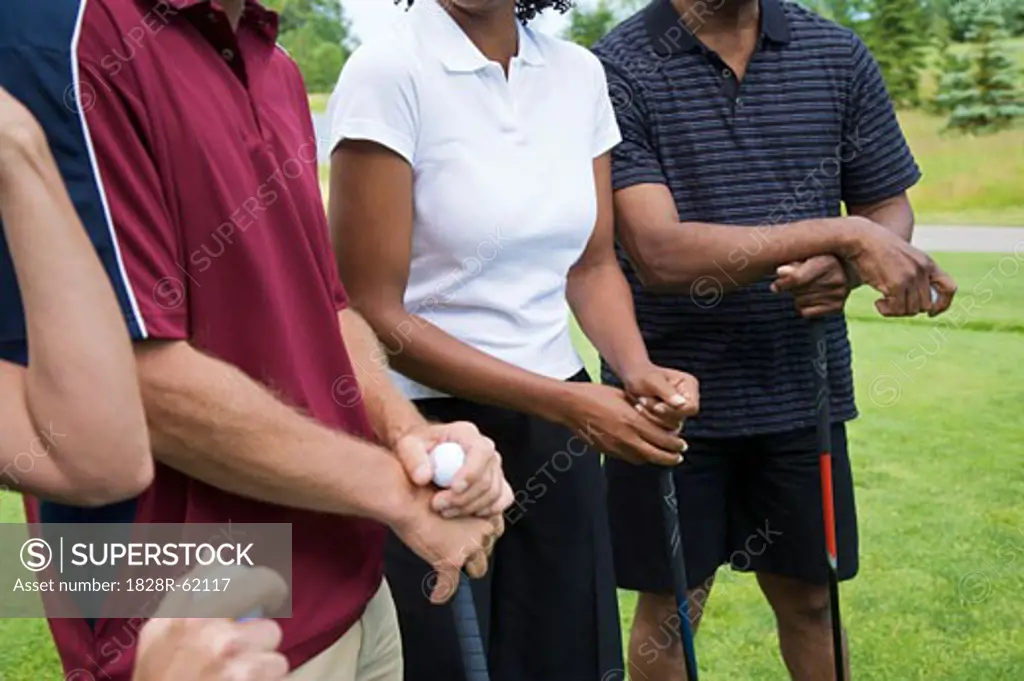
x=371, y=214
x=71, y=424
x=677, y=257
x=671, y=256
x=599, y=294
x=391, y=414
x=895, y=214
x=214, y=423
x=821, y=285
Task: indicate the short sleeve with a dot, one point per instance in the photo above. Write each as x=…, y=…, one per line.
x=634, y=161
x=375, y=100
x=606, y=128
x=877, y=163
x=148, y=241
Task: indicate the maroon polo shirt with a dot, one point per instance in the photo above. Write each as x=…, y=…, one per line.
x=207, y=156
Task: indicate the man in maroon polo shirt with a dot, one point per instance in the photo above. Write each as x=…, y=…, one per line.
x=200, y=133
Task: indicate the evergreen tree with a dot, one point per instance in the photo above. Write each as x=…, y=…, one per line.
x=316, y=34
x=587, y=26
x=995, y=100
x=897, y=32
x=956, y=88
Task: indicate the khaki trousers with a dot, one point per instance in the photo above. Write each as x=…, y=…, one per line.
x=370, y=651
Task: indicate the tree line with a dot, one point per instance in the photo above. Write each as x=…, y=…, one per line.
x=979, y=84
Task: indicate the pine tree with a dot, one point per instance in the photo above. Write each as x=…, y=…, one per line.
x=956, y=89
x=897, y=33
x=995, y=98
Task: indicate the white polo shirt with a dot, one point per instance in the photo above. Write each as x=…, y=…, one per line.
x=504, y=192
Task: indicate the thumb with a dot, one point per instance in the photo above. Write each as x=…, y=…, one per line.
x=414, y=456
x=667, y=390
x=251, y=589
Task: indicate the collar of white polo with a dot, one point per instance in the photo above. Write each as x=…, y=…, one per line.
x=453, y=47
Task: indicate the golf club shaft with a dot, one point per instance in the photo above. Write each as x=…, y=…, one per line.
x=674, y=543
x=823, y=428
x=474, y=658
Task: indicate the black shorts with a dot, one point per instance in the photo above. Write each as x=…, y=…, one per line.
x=754, y=502
x=547, y=609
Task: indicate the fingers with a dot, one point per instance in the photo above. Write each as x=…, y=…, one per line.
x=945, y=289
x=447, y=583
x=664, y=386
x=817, y=304
x=479, y=483
x=476, y=565
x=260, y=667
x=249, y=589
x=814, y=270
x=261, y=634
x=413, y=453
x=660, y=414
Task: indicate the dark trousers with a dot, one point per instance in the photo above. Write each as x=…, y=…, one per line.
x=547, y=608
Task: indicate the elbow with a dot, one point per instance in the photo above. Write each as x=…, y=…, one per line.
x=656, y=272
x=109, y=471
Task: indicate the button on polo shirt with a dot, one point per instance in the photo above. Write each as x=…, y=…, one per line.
x=504, y=193
x=808, y=127
x=196, y=179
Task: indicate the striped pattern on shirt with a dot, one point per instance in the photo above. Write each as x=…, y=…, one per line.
x=810, y=126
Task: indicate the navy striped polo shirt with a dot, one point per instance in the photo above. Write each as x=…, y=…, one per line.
x=810, y=126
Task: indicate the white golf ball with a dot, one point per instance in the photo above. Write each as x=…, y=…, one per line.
x=446, y=458
x=935, y=295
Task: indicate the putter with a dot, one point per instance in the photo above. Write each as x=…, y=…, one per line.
x=824, y=433
x=474, y=659
x=674, y=543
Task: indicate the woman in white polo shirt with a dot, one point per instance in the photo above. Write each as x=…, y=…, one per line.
x=471, y=206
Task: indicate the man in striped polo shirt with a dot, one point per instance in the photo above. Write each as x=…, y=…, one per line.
x=745, y=126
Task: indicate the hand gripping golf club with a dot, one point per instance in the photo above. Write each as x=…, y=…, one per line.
x=819, y=344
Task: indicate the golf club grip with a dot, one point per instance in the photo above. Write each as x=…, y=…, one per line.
x=474, y=659
x=674, y=544
x=819, y=346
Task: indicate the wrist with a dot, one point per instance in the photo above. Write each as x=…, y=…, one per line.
x=554, y=402
x=392, y=502
x=400, y=422
x=851, y=236
x=630, y=373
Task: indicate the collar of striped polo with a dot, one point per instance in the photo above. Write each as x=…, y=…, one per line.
x=670, y=34
x=454, y=48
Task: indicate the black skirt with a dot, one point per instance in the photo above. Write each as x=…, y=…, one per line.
x=547, y=609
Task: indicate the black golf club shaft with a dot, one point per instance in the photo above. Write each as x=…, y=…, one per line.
x=674, y=544
x=474, y=657
x=823, y=428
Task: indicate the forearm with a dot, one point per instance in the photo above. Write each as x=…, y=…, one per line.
x=391, y=414
x=76, y=336
x=895, y=214
x=212, y=422
x=603, y=305
x=674, y=258
x=430, y=356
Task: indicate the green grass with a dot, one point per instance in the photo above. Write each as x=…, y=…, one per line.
x=967, y=180
x=937, y=455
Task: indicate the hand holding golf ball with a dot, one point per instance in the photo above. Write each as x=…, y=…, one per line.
x=446, y=459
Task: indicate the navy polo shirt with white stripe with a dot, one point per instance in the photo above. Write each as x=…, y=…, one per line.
x=809, y=127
